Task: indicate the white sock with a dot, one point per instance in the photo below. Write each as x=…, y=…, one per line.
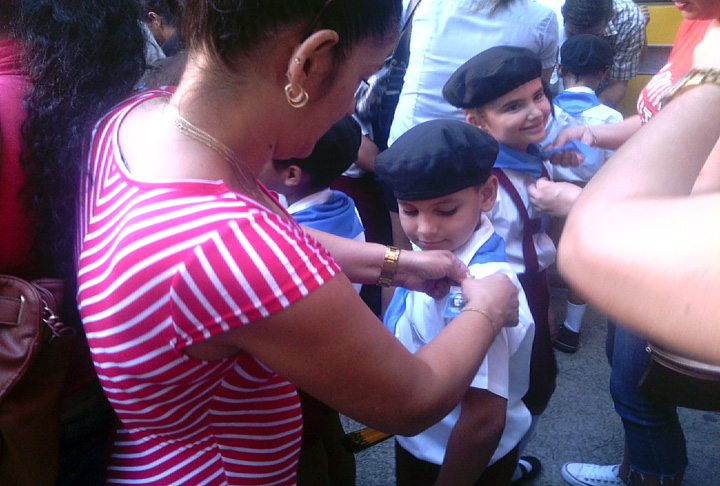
x=575, y=313
x=523, y=444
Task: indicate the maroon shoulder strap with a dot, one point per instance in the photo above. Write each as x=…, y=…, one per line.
x=530, y=226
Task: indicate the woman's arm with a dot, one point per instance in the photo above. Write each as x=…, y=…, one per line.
x=638, y=246
x=431, y=272
x=474, y=438
x=332, y=346
x=608, y=136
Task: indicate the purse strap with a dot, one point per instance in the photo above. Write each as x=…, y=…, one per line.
x=401, y=52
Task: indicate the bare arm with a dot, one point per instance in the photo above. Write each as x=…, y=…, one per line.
x=332, y=346
x=366, y=155
x=613, y=94
x=474, y=438
x=431, y=272
x=638, y=247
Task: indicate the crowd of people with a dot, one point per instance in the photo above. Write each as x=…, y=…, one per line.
x=180, y=165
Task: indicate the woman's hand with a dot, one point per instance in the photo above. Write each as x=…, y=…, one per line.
x=432, y=272
x=553, y=198
x=496, y=295
x=570, y=158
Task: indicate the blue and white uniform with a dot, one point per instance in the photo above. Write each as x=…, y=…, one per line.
x=416, y=318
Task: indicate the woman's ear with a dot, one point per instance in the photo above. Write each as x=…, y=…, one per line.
x=488, y=193
x=313, y=59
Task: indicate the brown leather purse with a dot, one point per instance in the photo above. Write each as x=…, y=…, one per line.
x=685, y=382
x=28, y=320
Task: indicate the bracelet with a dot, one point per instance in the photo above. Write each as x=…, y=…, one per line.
x=389, y=266
x=595, y=139
x=481, y=311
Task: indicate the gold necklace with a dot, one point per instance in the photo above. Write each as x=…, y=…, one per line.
x=241, y=170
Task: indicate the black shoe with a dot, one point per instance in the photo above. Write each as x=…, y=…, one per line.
x=530, y=467
x=567, y=341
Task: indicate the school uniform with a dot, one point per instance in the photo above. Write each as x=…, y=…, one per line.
x=416, y=318
x=529, y=252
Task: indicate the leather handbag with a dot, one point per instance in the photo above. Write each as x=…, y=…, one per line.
x=676, y=379
x=375, y=102
x=28, y=321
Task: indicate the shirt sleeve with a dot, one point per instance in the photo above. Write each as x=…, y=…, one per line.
x=549, y=34
x=246, y=270
x=628, y=47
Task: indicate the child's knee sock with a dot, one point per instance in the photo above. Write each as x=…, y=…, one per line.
x=575, y=313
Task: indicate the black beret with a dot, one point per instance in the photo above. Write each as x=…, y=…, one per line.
x=336, y=150
x=437, y=158
x=491, y=74
x=586, y=54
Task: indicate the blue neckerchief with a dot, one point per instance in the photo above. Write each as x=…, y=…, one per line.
x=589, y=153
x=575, y=102
x=529, y=162
x=336, y=216
x=493, y=250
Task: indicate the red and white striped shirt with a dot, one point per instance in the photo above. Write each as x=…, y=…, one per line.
x=164, y=265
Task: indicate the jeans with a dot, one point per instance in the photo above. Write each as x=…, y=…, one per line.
x=653, y=435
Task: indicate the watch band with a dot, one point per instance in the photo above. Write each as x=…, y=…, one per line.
x=694, y=77
x=389, y=266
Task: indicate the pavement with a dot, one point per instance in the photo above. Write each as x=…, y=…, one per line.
x=580, y=423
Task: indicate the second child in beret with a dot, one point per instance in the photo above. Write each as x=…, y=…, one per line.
x=500, y=91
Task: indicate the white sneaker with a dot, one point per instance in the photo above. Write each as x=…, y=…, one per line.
x=579, y=474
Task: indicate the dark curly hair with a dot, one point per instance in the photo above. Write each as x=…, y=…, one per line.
x=83, y=56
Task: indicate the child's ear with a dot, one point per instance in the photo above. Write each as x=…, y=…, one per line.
x=488, y=193
x=293, y=175
x=560, y=71
x=473, y=117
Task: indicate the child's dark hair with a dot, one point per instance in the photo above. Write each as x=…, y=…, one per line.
x=332, y=155
x=231, y=29
x=586, y=55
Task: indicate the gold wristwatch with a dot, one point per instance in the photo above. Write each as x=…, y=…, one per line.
x=694, y=77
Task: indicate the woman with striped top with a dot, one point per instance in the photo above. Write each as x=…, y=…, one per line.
x=204, y=303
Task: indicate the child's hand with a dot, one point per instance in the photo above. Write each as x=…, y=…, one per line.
x=494, y=294
x=553, y=198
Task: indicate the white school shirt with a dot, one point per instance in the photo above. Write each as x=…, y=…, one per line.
x=446, y=33
x=504, y=372
x=508, y=223
x=597, y=115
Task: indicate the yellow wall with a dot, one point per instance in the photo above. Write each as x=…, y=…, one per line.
x=664, y=22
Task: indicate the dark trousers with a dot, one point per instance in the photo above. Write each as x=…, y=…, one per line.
x=543, y=367
x=411, y=471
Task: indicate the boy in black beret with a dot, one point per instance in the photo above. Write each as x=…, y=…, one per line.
x=441, y=174
x=304, y=185
x=500, y=91
x=585, y=61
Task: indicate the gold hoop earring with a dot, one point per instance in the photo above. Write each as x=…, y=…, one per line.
x=296, y=101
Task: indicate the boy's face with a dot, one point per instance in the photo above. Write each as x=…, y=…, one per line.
x=517, y=118
x=447, y=222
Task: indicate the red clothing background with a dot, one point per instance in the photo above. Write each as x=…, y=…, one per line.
x=16, y=224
